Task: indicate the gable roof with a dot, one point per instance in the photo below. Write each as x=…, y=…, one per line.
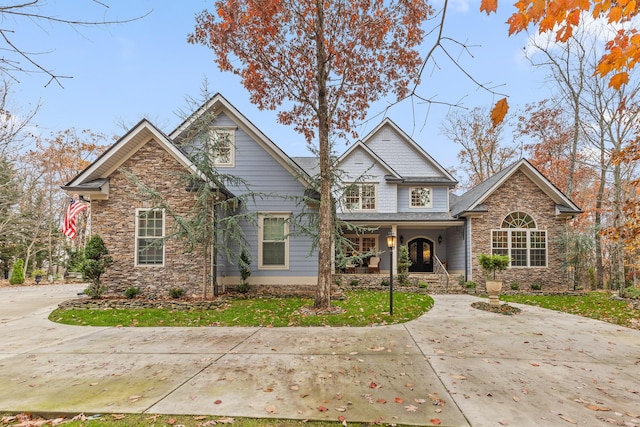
x=359, y=145
x=94, y=178
x=472, y=201
x=219, y=103
x=388, y=123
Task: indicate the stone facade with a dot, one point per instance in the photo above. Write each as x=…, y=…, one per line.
x=115, y=221
x=519, y=193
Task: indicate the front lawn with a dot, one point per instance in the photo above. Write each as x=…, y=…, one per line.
x=360, y=308
x=595, y=305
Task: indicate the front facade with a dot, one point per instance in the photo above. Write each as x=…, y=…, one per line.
x=389, y=185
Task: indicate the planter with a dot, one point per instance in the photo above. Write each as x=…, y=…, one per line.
x=493, y=289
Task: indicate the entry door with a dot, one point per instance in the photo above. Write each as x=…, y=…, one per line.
x=421, y=255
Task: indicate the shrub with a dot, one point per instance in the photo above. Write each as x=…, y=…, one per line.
x=423, y=285
x=245, y=272
x=384, y=282
x=176, y=292
x=470, y=284
x=17, y=274
x=75, y=257
x=95, y=263
x=354, y=282
x=404, y=262
x=491, y=264
x=38, y=272
x=536, y=287
x=631, y=292
x=132, y=292
x=515, y=286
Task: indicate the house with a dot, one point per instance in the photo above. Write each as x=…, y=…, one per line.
x=390, y=184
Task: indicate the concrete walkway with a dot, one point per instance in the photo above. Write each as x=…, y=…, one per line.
x=455, y=366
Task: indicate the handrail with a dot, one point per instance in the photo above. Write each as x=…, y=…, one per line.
x=442, y=272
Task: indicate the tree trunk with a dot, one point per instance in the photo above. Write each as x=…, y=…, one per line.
x=323, y=290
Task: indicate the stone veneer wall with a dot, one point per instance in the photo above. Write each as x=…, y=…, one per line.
x=115, y=221
x=519, y=193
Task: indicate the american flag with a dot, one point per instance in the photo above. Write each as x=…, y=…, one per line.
x=69, y=224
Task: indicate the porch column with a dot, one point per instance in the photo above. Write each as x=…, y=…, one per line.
x=394, y=230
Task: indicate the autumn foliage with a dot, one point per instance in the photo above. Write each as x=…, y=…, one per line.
x=563, y=16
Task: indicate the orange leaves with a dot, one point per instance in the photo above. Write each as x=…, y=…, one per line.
x=488, y=6
x=499, y=112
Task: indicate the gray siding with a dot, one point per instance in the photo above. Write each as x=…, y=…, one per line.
x=440, y=198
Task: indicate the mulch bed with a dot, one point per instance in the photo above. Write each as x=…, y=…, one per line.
x=505, y=309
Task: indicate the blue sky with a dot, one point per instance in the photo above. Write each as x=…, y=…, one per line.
x=122, y=73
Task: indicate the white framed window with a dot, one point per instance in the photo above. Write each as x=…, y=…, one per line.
x=521, y=240
x=222, y=144
x=273, y=241
x=362, y=244
x=150, y=237
x=360, y=197
x=420, y=197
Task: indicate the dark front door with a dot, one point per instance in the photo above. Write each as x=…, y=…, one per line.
x=421, y=255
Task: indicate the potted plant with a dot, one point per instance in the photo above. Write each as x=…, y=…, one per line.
x=37, y=275
x=491, y=264
x=470, y=286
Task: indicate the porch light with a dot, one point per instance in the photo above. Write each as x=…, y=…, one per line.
x=391, y=243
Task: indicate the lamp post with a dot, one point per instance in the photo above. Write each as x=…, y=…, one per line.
x=391, y=243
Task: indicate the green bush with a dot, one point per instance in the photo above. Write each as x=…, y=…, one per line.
x=95, y=263
x=404, y=262
x=515, y=286
x=176, y=293
x=631, y=292
x=17, y=274
x=132, y=292
x=245, y=272
x=491, y=264
x=75, y=257
x=38, y=272
x=384, y=282
x=354, y=282
x=423, y=285
x=536, y=287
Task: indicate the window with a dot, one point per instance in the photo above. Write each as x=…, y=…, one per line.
x=273, y=250
x=362, y=244
x=222, y=142
x=520, y=239
x=420, y=197
x=360, y=197
x=149, y=237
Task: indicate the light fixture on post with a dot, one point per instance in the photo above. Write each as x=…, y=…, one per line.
x=391, y=243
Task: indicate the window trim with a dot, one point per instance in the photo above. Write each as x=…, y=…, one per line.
x=359, y=185
x=359, y=237
x=510, y=232
x=231, y=132
x=427, y=206
x=261, y=217
x=137, y=237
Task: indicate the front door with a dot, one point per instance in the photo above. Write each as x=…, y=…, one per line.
x=421, y=255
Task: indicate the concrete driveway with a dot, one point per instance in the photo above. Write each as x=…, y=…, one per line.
x=455, y=366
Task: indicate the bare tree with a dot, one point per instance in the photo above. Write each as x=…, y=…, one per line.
x=17, y=58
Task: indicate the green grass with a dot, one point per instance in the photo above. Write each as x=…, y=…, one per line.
x=361, y=308
x=595, y=305
x=147, y=420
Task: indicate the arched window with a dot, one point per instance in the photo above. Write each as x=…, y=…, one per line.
x=519, y=238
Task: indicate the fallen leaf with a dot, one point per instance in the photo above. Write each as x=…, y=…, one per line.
x=376, y=349
x=499, y=111
x=420, y=401
x=271, y=409
x=294, y=387
x=567, y=419
x=435, y=421
x=597, y=407
x=516, y=399
x=341, y=418
x=118, y=416
x=171, y=421
x=217, y=402
x=374, y=385
x=381, y=400
x=399, y=400
x=226, y=420
x=534, y=364
x=458, y=377
x=503, y=423
x=322, y=408
x=411, y=408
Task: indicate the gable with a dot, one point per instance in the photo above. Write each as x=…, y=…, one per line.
x=93, y=180
x=403, y=154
